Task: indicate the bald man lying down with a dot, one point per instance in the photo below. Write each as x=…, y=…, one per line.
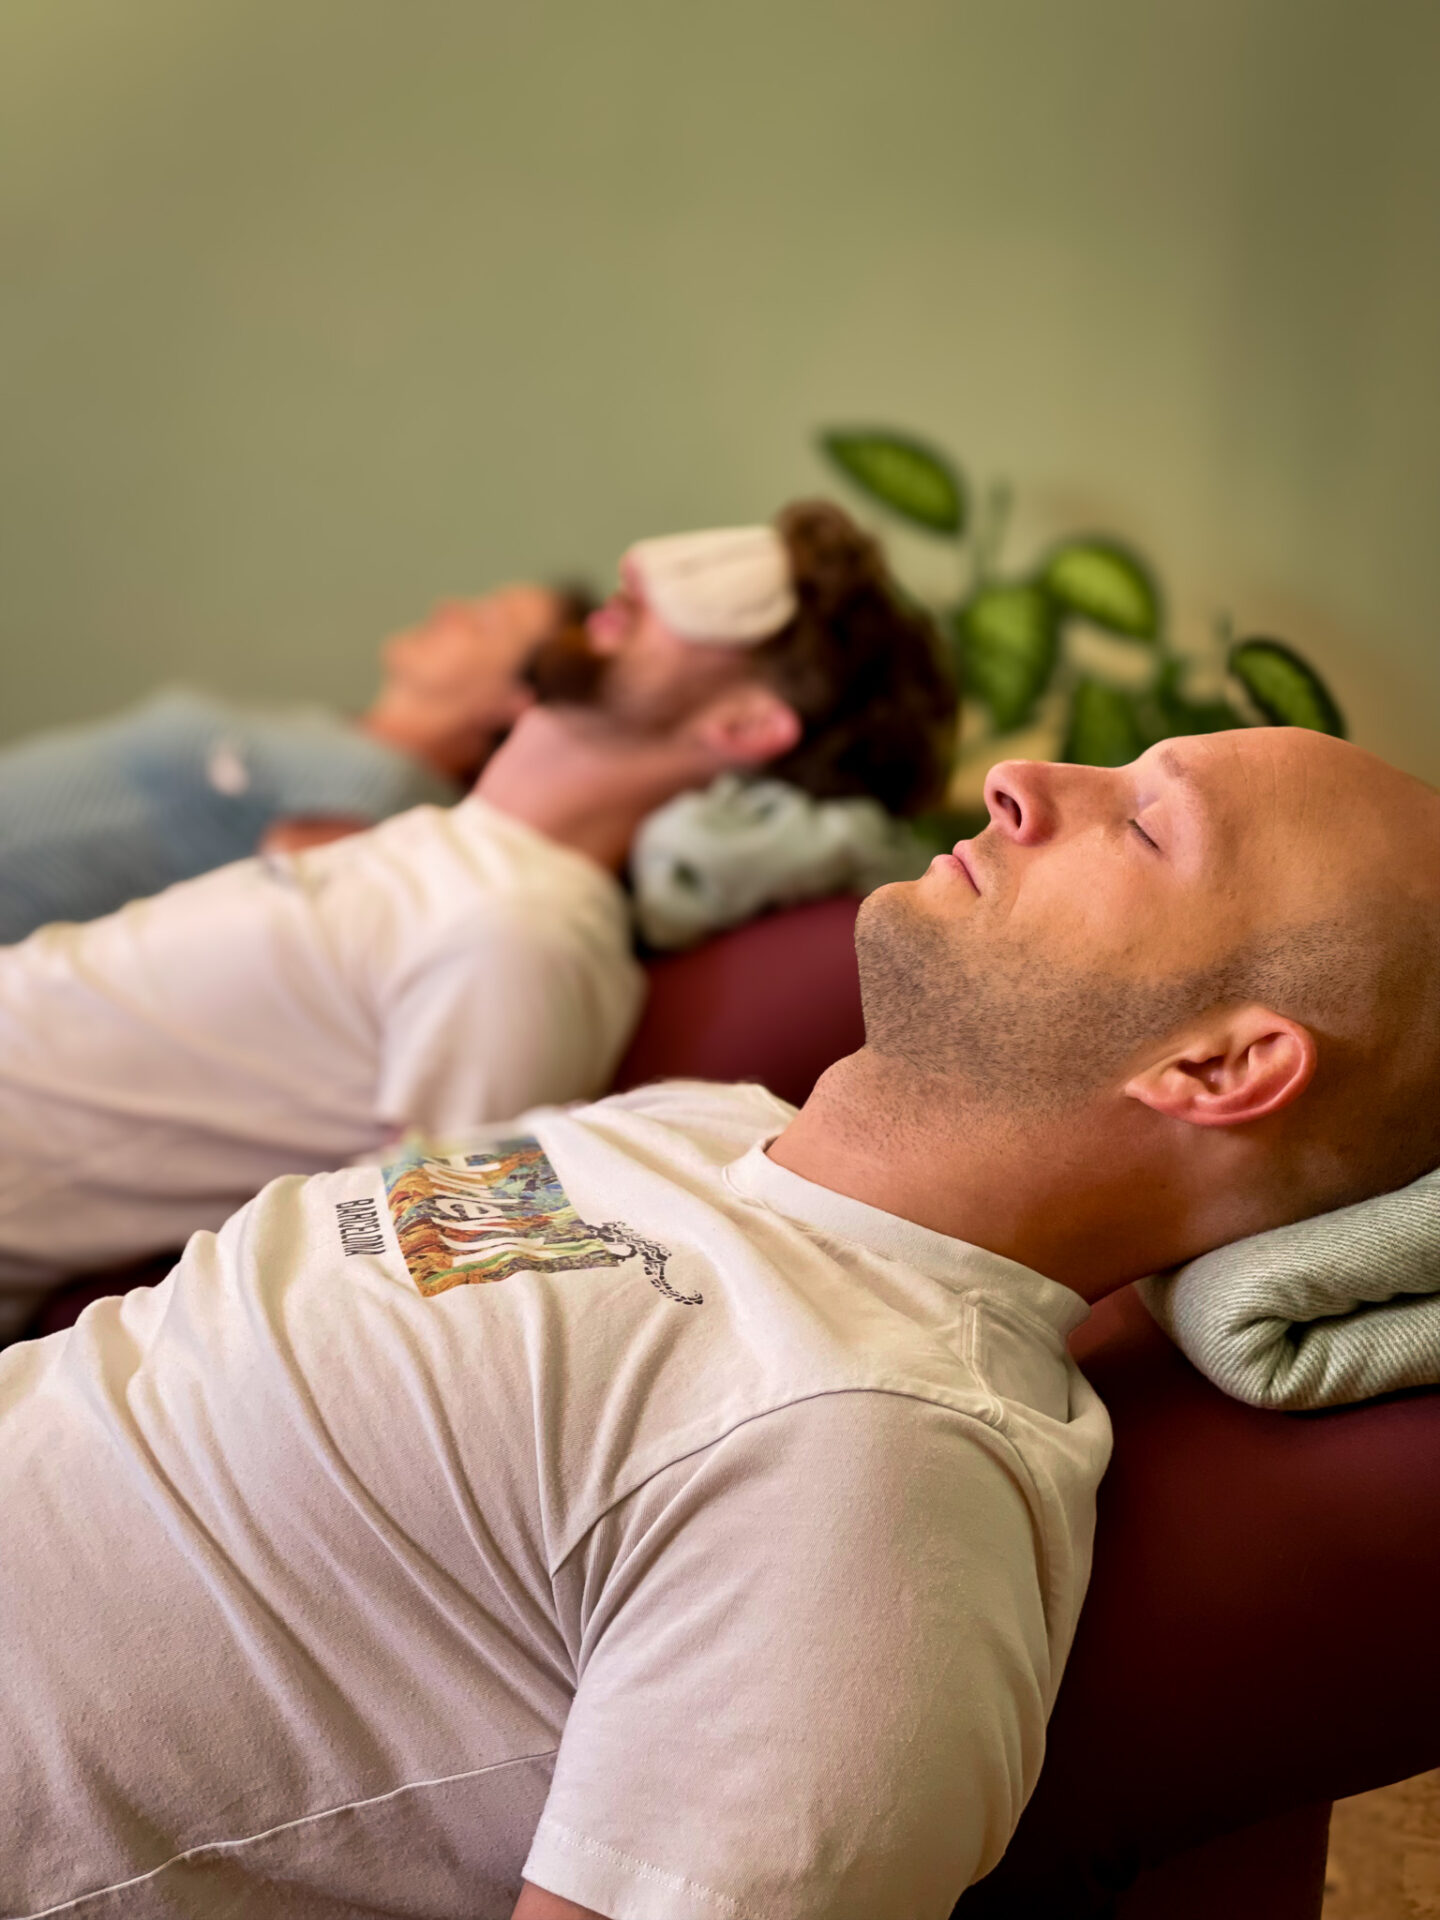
x=680, y=1506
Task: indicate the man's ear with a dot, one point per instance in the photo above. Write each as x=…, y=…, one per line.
x=1237, y=1066
x=747, y=725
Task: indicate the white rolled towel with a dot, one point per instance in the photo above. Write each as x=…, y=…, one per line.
x=715, y=858
x=1328, y=1311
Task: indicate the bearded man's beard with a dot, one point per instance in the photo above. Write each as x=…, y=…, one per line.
x=565, y=671
x=1009, y=1029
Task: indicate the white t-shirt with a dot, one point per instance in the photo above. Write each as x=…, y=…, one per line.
x=714, y=1556
x=158, y=1066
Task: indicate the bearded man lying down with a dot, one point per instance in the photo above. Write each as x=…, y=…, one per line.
x=453, y=965
x=681, y=1506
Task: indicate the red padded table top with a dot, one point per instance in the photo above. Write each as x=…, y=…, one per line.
x=776, y=1001
x=1259, y=1632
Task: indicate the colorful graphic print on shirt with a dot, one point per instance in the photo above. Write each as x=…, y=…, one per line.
x=469, y=1217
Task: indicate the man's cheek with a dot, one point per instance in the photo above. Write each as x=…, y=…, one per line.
x=1083, y=923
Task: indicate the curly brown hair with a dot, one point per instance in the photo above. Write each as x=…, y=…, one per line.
x=863, y=670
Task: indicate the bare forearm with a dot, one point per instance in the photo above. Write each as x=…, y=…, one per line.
x=309, y=830
x=536, y=1904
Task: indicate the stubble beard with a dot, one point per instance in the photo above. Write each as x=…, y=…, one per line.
x=949, y=1005
x=565, y=671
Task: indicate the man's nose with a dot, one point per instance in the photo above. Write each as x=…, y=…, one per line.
x=1020, y=796
x=606, y=626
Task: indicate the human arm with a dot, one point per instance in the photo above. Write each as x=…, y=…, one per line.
x=536, y=1904
x=814, y=1680
x=309, y=830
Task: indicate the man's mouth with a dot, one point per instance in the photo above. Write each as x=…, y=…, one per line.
x=960, y=854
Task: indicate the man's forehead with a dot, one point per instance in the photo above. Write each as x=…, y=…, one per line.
x=1199, y=761
x=1178, y=765
x=525, y=596
x=1278, y=767
x=1309, y=799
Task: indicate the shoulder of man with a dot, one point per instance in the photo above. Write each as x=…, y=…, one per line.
x=742, y=1107
x=471, y=850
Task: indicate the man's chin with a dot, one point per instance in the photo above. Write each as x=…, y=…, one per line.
x=918, y=902
x=892, y=919
x=564, y=672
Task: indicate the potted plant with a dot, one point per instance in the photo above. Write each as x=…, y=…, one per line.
x=1016, y=639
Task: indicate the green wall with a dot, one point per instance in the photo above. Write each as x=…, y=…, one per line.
x=316, y=309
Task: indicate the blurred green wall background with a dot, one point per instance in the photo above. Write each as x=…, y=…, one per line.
x=315, y=310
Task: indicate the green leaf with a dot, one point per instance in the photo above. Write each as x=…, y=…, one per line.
x=1284, y=687
x=1169, y=712
x=1196, y=716
x=1008, y=637
x=907, y=476
x=1104, y=728
x=1107, y=584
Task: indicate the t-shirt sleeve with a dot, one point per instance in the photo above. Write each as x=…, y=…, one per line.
x=813, y=1674
x=532, y=1009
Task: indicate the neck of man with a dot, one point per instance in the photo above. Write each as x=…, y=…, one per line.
x=587, y=784
x=1092, y=1198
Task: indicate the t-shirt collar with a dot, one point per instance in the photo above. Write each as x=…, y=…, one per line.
x=956, y=1263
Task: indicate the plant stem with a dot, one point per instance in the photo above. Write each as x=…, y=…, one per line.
x=999, y=499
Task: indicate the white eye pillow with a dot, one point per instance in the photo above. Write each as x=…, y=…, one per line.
x=728, y=587
x=1331, y=1310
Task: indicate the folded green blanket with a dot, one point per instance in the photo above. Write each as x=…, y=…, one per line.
x=1318, y=1314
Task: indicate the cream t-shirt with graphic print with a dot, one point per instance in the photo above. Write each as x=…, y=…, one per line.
x=596, y=1501
x=283, y=1015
